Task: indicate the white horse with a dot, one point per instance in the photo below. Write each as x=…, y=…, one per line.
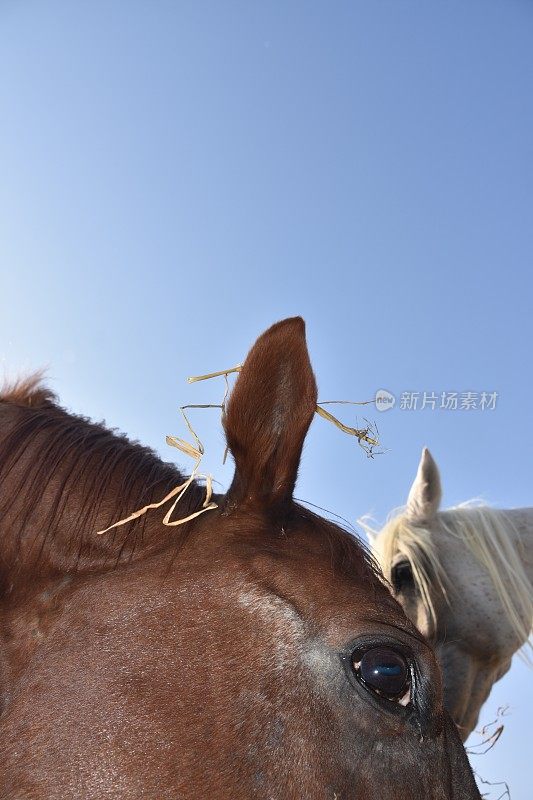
x=464, y=576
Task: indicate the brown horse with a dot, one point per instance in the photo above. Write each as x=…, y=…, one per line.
x=255, y=653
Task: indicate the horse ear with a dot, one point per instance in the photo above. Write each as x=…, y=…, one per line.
x=425, y=495
x=268, y=415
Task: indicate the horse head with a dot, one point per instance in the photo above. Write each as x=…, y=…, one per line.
x=256, y=652
x=459, y=578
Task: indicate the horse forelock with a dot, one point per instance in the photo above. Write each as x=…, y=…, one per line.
x=486, y=532
x=346, y=553
x=400, y=537
x=56, y=466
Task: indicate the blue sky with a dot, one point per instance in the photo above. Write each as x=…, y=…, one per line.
x=177, y=176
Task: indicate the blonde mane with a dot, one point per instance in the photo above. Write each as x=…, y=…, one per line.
x=485, y=531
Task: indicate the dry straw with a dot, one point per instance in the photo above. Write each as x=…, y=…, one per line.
x=196, y=452
x=177, y=492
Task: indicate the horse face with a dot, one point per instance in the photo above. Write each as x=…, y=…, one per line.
x=466, y=621
x=328, y=679
x=473, y=648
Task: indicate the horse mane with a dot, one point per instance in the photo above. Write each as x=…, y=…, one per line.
x=29, y=391
x=485, y=531
x=46, y=452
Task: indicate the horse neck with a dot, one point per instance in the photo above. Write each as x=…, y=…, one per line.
x=522, y=532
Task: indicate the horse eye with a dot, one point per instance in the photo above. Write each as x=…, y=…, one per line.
x=385, y=672
x=402, y=576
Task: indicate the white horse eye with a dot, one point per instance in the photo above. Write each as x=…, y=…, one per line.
x=402, y=576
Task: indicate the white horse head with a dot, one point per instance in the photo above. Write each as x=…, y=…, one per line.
x=463, y=576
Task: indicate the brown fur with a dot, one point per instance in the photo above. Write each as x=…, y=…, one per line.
x=207, y=662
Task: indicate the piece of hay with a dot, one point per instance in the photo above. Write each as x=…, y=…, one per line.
x=361, y=434
x=223, y=372
x=178, y=491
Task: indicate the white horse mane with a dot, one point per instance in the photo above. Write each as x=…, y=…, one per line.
x=485, y=531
